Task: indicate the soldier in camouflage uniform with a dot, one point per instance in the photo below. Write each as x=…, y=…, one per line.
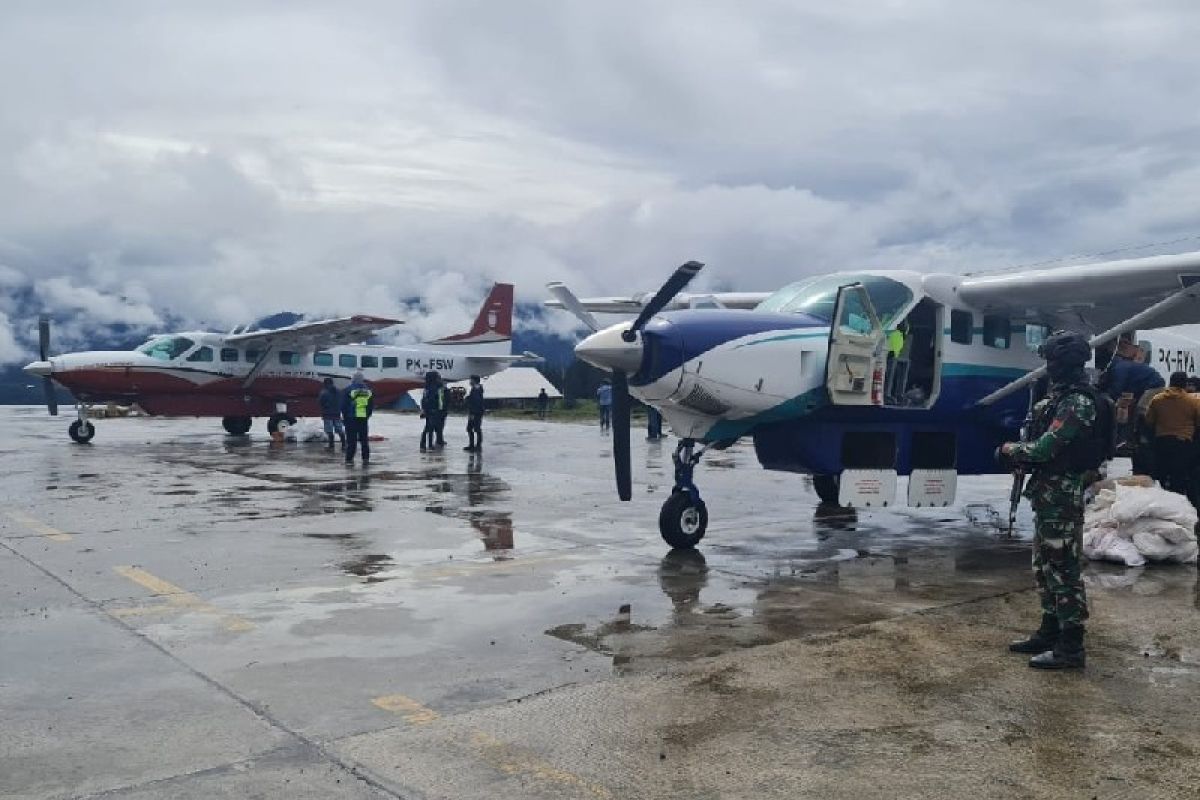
x=1061, y=452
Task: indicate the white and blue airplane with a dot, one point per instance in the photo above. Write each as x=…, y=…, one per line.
x=856, y=378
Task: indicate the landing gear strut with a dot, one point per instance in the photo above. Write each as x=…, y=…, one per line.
x=81, y=430
x=684, y=517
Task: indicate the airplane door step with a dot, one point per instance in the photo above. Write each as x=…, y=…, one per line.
x=932, y=487
x=867, y=488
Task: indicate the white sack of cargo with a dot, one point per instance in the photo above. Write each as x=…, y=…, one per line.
x=305, y=430
x=1135, y=524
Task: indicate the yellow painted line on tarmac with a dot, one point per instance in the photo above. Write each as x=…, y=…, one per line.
x=38, y=527
x=513, y=760
x=472, y=568
x=498, y=754
x=180, y=598
x=412, y=711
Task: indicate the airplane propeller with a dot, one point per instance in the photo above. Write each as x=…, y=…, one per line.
x=619, y=359
x=43, y=354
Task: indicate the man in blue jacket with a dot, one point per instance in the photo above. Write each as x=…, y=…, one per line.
x=357, y=406
x=330, y=401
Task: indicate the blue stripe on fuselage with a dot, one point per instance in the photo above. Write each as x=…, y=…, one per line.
x=676, y=337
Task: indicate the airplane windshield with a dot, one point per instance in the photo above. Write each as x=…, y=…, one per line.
x=818, y=296
x=166, y=348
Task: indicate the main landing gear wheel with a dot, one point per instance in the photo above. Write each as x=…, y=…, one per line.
x=683, y=520
x=81, y=431
x=237, y=426
x=826, y=487
x=275, y=420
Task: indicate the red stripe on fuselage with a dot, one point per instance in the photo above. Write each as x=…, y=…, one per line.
x=183, y=392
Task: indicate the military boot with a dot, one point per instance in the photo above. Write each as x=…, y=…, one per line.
x=1068, y=653
x=1041, y=640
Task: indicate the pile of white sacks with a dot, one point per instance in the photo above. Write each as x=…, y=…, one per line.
x=1132, y=521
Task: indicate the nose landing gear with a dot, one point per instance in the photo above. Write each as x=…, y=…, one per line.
x=81, y=430
x=684, y=517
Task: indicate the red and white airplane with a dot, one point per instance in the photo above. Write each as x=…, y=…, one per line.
x=271, y=373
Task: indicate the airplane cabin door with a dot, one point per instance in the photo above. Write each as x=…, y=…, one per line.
x=855, y=363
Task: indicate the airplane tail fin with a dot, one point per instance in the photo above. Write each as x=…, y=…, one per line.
x=493, y=326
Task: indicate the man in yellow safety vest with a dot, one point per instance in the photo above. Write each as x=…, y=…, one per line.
x=357, y=408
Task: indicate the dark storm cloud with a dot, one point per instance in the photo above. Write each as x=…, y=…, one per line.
x=218, y=161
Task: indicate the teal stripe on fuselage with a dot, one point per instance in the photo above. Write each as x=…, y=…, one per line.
x=982, y=371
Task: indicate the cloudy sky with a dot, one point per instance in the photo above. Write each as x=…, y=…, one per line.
x=217, y=161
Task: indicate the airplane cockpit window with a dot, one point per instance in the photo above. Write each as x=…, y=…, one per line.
x=166, y=348
x=819, y=296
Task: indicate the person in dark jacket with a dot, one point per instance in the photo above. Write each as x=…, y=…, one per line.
x=330, y=401
x=474, y=416
x=357, y=406
x=433, y=403
x=1125, y=376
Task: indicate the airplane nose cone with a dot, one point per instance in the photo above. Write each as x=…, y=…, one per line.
x=607, y=350
x=42, y=368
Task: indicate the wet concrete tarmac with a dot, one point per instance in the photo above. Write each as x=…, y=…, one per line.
x=185, y=614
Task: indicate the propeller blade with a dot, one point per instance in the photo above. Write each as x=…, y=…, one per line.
x=43, y=337
x=620, y=434
x=48, y=391
x=571, y=303
x=674, y=285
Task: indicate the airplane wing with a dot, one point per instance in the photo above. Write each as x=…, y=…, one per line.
x=634, y=304
x=509, y=358
x=1091, y=297
x=315, y=335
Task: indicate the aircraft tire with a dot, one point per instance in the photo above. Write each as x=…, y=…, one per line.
x=274, y=421
x=683, y=520
x=237, y=426
x=826, y=487
x=81, y=431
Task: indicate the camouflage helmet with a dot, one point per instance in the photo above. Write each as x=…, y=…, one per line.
x=1066, y=348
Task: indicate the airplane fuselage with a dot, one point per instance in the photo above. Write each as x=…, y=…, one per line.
x=719, y=374
x=210, y=378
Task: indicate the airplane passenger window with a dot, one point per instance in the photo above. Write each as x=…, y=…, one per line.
x=203, y=354
x=288, y=357
x=962, y=326
x=347, y=360
x=370, y=362
x=997, y=331
x=819, y=296
x=390, y=362
x=229, y=354
x=323, y=359
x=1035, y=335
x=253, y=355
x=166, y=348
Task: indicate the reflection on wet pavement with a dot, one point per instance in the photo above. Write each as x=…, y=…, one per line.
x=475, y=580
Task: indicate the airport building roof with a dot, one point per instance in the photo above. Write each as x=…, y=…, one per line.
x=514, y=383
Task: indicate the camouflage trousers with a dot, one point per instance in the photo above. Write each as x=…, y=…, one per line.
x=1057, y=553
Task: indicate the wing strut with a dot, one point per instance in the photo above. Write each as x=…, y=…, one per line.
x=258, y=367
x=1132, y=324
